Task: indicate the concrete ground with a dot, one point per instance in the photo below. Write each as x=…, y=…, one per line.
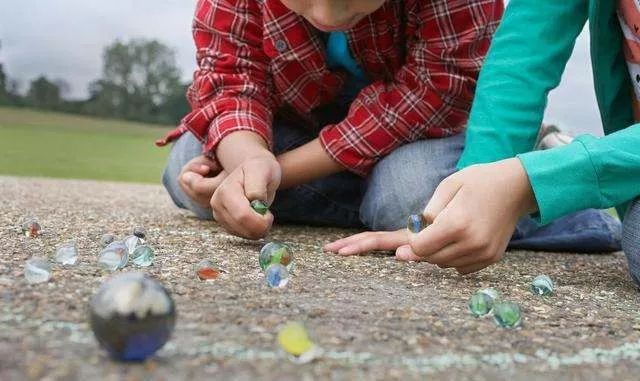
x=375, y=318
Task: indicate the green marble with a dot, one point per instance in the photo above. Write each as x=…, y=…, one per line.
x=143, y=256
x=260, y=207
x=507, y=314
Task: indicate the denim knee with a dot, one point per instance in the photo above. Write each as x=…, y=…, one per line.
x=186, y=148
x=631, y=239
x=402, y=183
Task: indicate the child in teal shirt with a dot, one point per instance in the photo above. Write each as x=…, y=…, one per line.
x=473, y=213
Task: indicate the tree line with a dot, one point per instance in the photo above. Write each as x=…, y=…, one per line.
x=140, y=81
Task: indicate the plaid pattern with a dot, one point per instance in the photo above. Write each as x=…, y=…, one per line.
x=256, y=57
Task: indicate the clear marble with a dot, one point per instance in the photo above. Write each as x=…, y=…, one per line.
x=113, y=257
x=415, y=223
x=132, y=242
x=542, y=285
x=67, y=253
x=37, y=270
x=106, y=239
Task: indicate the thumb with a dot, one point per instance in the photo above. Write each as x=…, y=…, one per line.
x=444, y=193
x=261, y=181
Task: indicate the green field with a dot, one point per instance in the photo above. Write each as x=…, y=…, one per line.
x=35, y=143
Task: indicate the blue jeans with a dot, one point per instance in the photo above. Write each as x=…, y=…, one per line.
x=399, y=185
x=631, y=239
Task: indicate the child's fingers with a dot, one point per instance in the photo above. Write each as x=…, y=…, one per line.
x=187, y=181
x=257, y=180
x=339, y=244
x=404, y=253
x=242, y=217
x=375, y=241
x=442, y=196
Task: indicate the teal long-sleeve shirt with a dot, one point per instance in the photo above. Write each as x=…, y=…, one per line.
x=526, y=60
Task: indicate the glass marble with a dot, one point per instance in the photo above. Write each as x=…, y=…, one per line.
x=132, y=242
x=542, y=285
x=106, y=239
x=140, y=232
x=132, y=316
x=491, y=292
x=415, y=223
x=31, y=228
x=37, y=270
x=295, y=341
x=114, y=256
x=480, y=304
x=67, y=253
x=207, y=269
x=507, y=314
x=276, y=252
x=143, y=256
x=276, y=275
x=260, y=207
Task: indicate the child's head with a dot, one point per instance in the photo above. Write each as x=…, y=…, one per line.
x=332, y=15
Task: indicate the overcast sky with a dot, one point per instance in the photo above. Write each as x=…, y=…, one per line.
x=65, y=38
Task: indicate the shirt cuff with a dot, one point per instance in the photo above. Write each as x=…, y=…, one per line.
x=225, y=124
x=563, y=180
x=340, y=149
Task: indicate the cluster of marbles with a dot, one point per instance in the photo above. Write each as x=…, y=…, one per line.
x=487, y=302
x=276, y=260
x=132, y=316
x=295, y=341
x=506, y=314
x=117, y=254
x=114, y=255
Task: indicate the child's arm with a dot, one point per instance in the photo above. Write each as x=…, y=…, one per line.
x=231, y=113
x=305, y=164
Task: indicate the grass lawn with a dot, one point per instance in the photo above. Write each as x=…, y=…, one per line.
x=35, y=143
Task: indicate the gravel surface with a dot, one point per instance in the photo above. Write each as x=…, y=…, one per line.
x=374, y=317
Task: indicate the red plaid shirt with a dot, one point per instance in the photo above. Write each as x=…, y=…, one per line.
x=256, y=57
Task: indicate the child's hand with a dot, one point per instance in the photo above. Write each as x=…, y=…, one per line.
x=474, y=213
x=254, y=179
x=369, y=241
x=199, y=178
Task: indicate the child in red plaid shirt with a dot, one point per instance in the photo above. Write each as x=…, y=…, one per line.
x=334, y=112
